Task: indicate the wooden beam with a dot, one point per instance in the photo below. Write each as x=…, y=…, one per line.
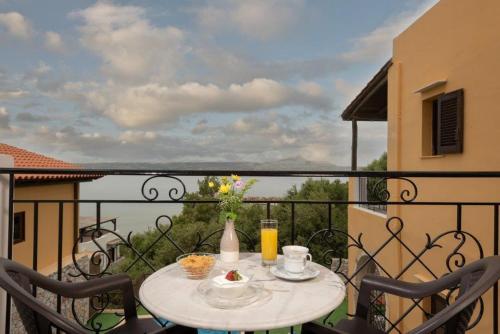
x=354, y=147
x=373, y=86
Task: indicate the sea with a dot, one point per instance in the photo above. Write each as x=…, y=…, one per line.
x=140, y=217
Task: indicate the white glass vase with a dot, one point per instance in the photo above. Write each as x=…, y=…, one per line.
x=229, y=244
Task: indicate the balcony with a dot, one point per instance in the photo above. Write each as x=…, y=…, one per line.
x=368, y=193
x=433, y=223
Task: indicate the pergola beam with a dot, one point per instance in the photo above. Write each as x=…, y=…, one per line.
x=354, y=148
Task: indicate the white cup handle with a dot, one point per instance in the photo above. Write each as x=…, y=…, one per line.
x=308, y=257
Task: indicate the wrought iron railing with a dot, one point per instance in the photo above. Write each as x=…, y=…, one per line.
x=85, y=233
x=367, y=193
x=451, y=243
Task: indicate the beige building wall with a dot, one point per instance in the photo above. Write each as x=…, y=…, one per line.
x=361, y=221
x=456, y=41
x=48, y=222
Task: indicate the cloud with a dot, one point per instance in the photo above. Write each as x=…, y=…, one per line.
x=4, y=118
x=13, y=94
x=220, y=143
x=265, y=137
x=16, y=25
x=347, y=90
x=153, y=103
x=377, y=44
x=30, y=117
x=223, y=66
x=129, y=45
x=200, y=127
x=275, y=136
x=154, y=74
x=37, y=73
x=143, y=64
x=54, y=42
x=126, y=146
x=8, y=130
x=258, y=19
x=131, y=136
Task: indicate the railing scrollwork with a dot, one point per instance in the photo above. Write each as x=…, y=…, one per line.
x=429, y=254
x=151, y=193
x=382, y=193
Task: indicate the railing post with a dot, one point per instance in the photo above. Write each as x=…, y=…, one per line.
x=354, y=146
x=6, y=161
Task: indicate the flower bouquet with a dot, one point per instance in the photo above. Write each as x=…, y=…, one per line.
x=230, y=194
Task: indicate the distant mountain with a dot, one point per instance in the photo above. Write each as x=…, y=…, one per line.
x=284, y=165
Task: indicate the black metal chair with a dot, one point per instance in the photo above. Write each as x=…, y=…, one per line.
x=472, y=282
x=38, y=318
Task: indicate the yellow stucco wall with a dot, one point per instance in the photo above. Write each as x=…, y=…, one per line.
x=456, y=41
x=48, y=223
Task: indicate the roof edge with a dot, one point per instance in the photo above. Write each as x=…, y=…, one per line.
x=379, y=78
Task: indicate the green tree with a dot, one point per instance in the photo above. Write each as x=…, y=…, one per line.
x=379, y=164
x=195, y=222
x=311, y=218
x=376, y=186
x=201, y=219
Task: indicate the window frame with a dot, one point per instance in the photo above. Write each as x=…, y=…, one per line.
x=434, y=126
x=432, y=116
x=20, y=219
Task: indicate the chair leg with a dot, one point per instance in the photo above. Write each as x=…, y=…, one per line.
x=314, y=328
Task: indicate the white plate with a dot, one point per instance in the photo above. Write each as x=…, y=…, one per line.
x=280, y=272
x=254, y=293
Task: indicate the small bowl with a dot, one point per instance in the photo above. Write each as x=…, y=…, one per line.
x=229, y=289
x=196, y=265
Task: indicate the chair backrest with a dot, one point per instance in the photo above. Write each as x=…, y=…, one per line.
x=472, y=281
x=37, y=317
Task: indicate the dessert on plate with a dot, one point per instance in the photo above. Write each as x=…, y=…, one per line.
x=230, y=285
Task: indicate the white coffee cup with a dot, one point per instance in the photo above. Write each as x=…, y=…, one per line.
x=296, y=258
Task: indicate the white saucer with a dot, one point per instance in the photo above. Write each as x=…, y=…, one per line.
x=280, y=272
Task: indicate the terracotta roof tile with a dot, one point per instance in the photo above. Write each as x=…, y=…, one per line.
x=28, y=159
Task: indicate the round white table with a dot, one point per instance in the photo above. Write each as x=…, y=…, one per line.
x=170, y=295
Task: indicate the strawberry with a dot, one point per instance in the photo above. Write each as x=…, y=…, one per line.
x=233, y=275
x=230, y=276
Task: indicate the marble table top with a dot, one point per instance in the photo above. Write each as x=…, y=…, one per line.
x=170, y=295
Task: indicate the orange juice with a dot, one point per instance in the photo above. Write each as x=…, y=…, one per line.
x=269, y=244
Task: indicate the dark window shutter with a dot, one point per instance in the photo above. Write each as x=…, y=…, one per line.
x=450, y=122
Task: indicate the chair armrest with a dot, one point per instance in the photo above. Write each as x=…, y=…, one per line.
x=403, y=289
x=89, y=288
x=96, y=286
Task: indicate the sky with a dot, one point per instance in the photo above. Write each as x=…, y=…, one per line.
x=218, y=80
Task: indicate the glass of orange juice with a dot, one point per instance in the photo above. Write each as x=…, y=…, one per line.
x=269, y=241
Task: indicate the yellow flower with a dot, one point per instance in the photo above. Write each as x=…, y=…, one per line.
x=235, y=177
x=211, y=184
x=224, y=188
x=223, y=179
